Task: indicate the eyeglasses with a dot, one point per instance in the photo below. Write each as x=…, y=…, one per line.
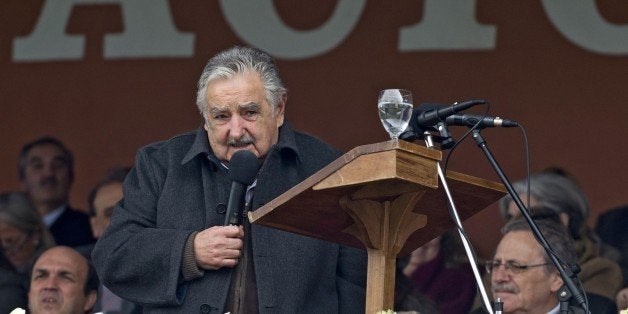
x=510, y=266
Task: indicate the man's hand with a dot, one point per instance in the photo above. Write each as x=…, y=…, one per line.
x=218, y=247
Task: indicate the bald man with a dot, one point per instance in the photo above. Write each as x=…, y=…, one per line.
x=62, y=281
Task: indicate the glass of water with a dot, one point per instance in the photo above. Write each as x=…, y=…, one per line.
x=395, y=110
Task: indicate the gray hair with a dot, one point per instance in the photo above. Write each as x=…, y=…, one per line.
x=238, y=60
x=16, y=210
x=555, y=234
x=557, y=192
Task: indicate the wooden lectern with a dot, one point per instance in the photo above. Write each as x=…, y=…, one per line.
x=384, y=197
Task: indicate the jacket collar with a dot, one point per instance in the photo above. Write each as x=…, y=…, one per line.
x=286, y=145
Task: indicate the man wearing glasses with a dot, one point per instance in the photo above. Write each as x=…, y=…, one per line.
x=522, y=275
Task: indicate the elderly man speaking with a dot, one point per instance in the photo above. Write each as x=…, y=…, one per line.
x=166, y=247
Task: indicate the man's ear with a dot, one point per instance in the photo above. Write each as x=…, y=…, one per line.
x=556, y=282
x=281, y=109
x=90, y=300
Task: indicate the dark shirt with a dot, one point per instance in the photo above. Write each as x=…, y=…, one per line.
x=72, y=228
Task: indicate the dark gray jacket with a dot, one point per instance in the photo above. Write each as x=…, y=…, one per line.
x=178, y=187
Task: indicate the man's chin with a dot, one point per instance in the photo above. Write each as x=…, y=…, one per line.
x=50, y=307
x=505, y=297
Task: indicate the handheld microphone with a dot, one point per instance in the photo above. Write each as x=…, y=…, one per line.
x=243, y=168
x=471, y=120
x=428, y=118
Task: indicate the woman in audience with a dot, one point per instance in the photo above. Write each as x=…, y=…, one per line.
x=22, y=238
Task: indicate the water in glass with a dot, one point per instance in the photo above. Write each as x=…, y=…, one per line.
x=395, y=110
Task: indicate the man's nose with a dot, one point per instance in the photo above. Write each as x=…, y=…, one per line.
x=50, y=282
x=48, y=170
x=499, y=273
x=236, y=126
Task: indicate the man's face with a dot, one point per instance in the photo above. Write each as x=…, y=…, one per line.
x=239, y=116
x=532, y=290
x=57, y=283
x=46, y=175
x=104, y=202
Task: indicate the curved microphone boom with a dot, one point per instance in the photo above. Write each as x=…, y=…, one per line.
x=243, y=167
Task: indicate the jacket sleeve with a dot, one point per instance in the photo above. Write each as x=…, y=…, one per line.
x=134, y=258
x=351, y=280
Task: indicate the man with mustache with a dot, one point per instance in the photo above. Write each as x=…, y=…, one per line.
x=46, y=171
x=166, y=247
x=523, y=276
x=62, y=281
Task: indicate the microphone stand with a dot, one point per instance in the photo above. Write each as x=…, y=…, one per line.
x=569, y=289
x=467, y=247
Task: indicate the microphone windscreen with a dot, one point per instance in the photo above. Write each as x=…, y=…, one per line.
x=421, y=109
x=243, y=167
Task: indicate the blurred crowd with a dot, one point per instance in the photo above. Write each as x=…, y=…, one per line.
x=46, y=246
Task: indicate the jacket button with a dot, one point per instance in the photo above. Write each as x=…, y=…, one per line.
x=205, y=308
x=221, y=208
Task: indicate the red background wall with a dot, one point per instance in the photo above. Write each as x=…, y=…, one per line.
x=572, y=102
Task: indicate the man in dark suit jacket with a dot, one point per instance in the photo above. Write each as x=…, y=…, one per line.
x=166, y=247
x=523, y=276
x=46, y=170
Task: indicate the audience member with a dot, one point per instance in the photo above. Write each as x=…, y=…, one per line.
x=433, y=268
x=102, y=199
x=523, y=276
x=23, y=237
x=407, y=299
x=166, y=246
x=62, y=281
x=612, y=227
x=561, y=194
x=46, y=171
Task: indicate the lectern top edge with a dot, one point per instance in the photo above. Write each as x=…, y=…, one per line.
x=394, y=144
x=339, y=163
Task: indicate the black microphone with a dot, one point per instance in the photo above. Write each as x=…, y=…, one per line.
x=471, y=120
x=430, y=117
x=243, y=168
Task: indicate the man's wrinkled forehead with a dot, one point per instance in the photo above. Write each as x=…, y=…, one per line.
x=61, y=262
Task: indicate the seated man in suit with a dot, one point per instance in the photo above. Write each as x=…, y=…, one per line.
x=62, y=282
x=523, y=276
x=46, y=170
x=102, y=199
x=562, y=195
